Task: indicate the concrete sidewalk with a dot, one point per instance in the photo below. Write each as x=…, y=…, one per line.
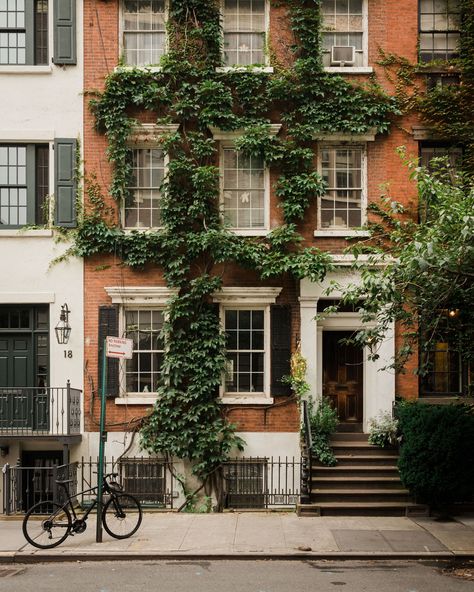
x=257, y=535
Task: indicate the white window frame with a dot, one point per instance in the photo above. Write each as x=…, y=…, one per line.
x=350, y=231
x=146, y=137
x=135, y=298
x=365, y=68
x=249, y=298
x=266, y=195
x=244, y=68
x=153, y=68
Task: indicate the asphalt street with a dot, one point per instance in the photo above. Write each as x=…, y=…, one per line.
x=234, y=576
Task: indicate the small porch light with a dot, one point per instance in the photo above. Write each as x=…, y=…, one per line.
x=63, y=329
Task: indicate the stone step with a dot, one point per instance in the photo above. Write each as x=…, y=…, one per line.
x=360, y=448
x=345, y=482
x=362, y=509
x=349, y=437
x=360, y=495
x=360, y=471
x=360, y=460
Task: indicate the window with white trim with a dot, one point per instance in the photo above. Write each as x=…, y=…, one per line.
x=244, y=190
x=342, y=168
x=244, y=25
x=439, y=29
x=24, y=182
x=144, y=31
x=142, y=373
x=142, y=208
x=343, y=26
x=246, y=350
x=23, y=32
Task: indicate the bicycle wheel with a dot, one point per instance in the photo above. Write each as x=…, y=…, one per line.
x=46, y=525
x=122, y=516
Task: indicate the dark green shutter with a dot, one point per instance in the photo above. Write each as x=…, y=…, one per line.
x=64, y=32
x=108, y=326
x=65, y=182
x=280, y=337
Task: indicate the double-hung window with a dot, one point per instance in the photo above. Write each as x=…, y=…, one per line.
x=143, y=371
x=144, y=31
x=24, y=182
x=142, y=208
x=344, y=37
x=246, y=350
x=244, y=190
x=343, y=170
x=23, y=32
x=244, y=24
x=439, y=29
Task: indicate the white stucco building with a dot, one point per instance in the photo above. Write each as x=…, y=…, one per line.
x=41, y=82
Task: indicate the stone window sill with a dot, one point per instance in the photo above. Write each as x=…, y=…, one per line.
x=341, y=233
x=13, y=233
x=251, y=69
x=135, y=400
x=246, y=400
x=349, y=69
x=25, y=70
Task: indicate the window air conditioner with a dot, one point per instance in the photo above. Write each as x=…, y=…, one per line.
x=342, y=55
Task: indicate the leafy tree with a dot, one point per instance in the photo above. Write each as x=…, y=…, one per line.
x=418, y=268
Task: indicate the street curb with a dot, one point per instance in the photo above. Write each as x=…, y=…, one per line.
x=15, y=557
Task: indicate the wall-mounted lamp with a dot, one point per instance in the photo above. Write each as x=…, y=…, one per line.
x=62, y=329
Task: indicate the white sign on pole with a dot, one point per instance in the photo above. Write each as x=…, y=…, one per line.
x=116, y=347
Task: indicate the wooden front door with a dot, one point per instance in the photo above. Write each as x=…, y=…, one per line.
x=343, y=375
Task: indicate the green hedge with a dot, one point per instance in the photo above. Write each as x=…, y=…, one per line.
x=437, y=453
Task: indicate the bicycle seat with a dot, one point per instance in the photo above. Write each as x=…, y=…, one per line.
x=64, y=482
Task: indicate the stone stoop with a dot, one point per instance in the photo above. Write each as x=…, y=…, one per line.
x=365, y=482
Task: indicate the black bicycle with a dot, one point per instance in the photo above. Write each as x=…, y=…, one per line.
x=47, y=524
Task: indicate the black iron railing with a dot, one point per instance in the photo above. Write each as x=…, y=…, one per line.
x=53, y=411
x=255, y=482
x=307, y=446
x=149, y=479
x=23, y=487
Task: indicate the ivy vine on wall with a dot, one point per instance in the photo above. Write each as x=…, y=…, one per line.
x=187, y=421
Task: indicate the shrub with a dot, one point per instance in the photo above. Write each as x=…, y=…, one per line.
x=323, y=420
x=437, y=453
x=383, y=429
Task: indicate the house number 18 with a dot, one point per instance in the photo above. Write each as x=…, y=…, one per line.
x=68, y=353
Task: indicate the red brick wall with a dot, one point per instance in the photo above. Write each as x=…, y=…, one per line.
x=393, y=26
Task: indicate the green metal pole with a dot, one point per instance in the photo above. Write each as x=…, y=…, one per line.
x=100, y=469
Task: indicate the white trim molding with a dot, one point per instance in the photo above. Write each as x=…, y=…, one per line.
x=349, y=69
x=230, y=136
x=145, y=135
x=27, y=135
x=140, y=296
x=252, y=296
x=250, y=69
x=368, y=136
x=349, y=233
x=27, y=297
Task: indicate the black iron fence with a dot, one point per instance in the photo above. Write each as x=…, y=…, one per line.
x=249, y=483
x=306, y=454
x=23, y=487
x=259, y=483
x=149, y=479
x=40, y=411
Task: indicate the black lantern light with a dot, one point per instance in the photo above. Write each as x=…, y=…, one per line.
x=62, y=329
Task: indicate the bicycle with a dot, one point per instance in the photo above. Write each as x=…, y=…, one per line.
x=47, y=524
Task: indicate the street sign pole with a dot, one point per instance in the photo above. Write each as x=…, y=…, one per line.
x=103, y=436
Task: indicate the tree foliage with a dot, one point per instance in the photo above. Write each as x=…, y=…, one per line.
x=419, y=270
